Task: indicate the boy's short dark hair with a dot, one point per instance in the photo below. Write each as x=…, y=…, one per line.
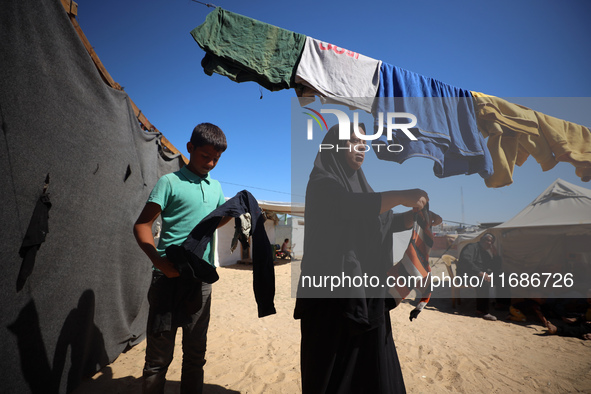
x=209, y=134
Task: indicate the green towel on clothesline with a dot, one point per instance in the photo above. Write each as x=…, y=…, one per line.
x=244, y=49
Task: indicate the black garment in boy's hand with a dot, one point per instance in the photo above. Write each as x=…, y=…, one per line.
x=197, y=269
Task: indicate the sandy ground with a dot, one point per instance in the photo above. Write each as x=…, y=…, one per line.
x=444, y=350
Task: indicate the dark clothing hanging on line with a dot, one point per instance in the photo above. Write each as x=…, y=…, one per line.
x=244, y=49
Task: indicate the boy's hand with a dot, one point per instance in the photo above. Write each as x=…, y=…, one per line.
x=167, y=267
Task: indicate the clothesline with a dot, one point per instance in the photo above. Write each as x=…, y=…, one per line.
x=206, y=4
x=453, y=122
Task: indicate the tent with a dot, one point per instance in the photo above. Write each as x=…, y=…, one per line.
x=551, y=235
x=294, y=209
x=561, y=204
x=76, y=171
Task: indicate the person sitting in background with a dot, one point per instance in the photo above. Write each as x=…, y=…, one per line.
x=519, y=310
x=480, y=259
x=577, y=327
x=285, y=251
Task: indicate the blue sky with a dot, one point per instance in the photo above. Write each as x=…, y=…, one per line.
x=516, y=49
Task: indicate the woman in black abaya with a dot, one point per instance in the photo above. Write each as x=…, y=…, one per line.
x=347, y=344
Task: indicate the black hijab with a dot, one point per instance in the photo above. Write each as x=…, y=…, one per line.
x=330, y=163
x=343, y=236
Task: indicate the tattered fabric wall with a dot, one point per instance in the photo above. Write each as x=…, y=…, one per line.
x=78, y=297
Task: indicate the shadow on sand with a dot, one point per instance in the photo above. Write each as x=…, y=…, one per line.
x=248, y=266
x=468, y=308
x=132, y=385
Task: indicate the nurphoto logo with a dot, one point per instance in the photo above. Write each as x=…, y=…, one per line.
x=345, y=129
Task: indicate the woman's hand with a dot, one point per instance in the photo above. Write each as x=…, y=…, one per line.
x=409, y=219
x=435, y=218
x=412, y=198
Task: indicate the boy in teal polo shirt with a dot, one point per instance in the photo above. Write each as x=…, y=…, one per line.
x=182, y=199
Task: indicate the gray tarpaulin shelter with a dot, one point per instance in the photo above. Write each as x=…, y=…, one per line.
x=74, y=281
x=551, y=235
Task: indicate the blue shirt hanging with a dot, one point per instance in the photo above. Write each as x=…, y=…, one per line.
x=446, y=128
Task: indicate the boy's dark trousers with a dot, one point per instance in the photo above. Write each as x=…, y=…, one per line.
x=160, y=348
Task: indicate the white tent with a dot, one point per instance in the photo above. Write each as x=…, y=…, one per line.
x=464, y=239
x=294, y=209
x=561, y=204
x=551, y=235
